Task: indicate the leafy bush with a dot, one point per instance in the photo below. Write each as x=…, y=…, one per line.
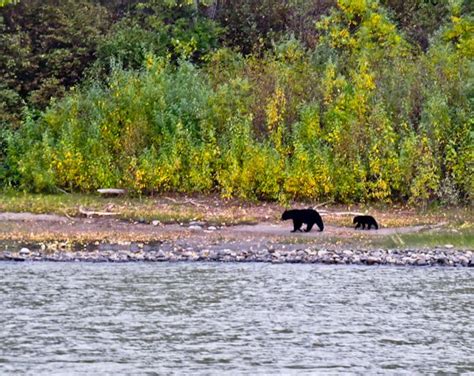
x=361, y=117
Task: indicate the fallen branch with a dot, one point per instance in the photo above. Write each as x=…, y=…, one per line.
x=196, y=204
x=90, y=213
x=437, y=225
x=172, y=200
x=325, y=212
x=347, y=213
x=62, y=191
x=187, y=201
x=323, y=203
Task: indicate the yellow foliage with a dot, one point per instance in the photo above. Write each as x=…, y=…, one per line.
x=69, y=167
x=353, y=6
x=149, y=61
x=275, y=108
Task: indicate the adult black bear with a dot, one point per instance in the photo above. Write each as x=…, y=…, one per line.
x=363, y=220
x=300, y=216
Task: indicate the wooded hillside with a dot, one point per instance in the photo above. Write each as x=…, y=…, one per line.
x=347, y=100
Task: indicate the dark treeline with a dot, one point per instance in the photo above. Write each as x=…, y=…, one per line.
x=312, y=99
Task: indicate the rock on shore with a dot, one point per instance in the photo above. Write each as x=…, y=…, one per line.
x=271, y=253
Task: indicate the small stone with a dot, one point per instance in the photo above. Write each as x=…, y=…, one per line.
x=371, y=260
x=225, y=252
x=463, y=260
x=421, y=261
x=449, y=246
x=195, y=227
x=212, y=228
x=156, y=222
x=199, y=223
x=24, y=252
x=162, y=254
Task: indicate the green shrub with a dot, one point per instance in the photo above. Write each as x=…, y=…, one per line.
x=361, y=117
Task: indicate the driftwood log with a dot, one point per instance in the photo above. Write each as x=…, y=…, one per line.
x=91, y=213
x=112, y=191
x=325, y=212
x=186, y=201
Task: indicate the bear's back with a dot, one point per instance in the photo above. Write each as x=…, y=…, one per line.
x=303, y=215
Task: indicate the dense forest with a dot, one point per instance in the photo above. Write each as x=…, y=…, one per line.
x=344, y=100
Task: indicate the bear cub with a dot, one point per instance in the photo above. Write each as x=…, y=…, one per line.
x=363, y=220
x=300, y=216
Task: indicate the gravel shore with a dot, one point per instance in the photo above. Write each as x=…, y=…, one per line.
x=233, y=252
x=32, y=237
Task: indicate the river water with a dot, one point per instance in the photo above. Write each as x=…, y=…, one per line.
x=198, y=318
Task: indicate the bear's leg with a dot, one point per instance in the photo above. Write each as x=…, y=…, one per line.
x=358, y=225
x=297, y=225
x=309, y=226
x=320, y=224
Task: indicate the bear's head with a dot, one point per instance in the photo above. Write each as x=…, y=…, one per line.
x=286, y=215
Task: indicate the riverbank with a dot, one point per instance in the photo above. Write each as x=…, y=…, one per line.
x=213, y=210
x=58, y=228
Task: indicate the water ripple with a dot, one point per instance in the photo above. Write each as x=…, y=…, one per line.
x=250, y=319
